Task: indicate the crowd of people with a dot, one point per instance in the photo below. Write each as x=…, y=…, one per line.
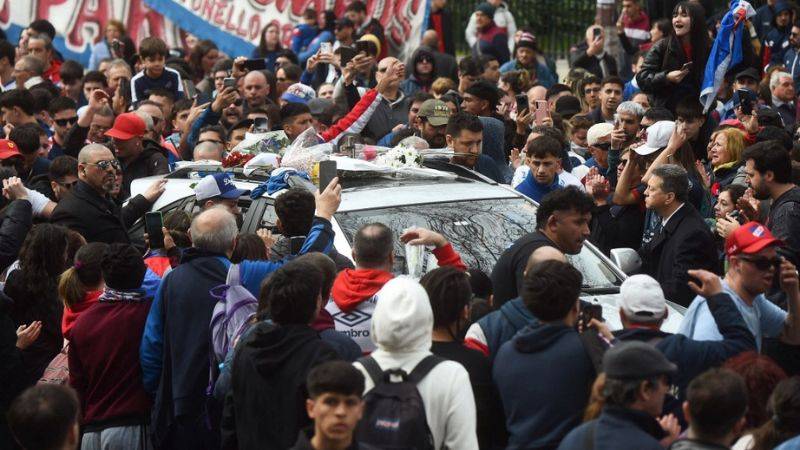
x=224, y=339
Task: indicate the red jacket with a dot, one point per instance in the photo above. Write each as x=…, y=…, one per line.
x=71, y=313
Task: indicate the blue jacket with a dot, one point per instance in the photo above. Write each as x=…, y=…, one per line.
x=503, y=324
x=313, y=46
x=532, y=189
x=616, y=429
x=791, y=59
x=695, y=357
x=543, y=376
x=302, y=35
x=174, y=350
x=778, y=42
x=207, y=117
x=543, y=74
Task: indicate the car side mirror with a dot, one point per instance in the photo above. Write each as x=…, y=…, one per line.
x=627, y=259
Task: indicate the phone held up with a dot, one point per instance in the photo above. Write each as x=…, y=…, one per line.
x=327, y=172
x=153, y=223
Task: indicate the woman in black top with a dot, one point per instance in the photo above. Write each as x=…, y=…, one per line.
x=674, y=66
x=450, y=293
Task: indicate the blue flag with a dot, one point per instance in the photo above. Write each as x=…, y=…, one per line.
x=727, y=50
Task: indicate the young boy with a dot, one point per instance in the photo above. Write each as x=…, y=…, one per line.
x=155, y=75
x=335, y=405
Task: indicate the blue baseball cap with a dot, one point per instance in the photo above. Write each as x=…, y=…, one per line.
x=218, y=185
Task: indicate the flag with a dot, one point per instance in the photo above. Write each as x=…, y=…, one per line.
x=727, y=50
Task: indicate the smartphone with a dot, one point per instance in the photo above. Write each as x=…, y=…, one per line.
x=616, y=120
x=153, y=223
x=687, y=66
x=117, y=45
x=327, y=172
x=596, y=33
x=125, y=89
x=260, y=125
x=255, y=64
x=326, y=47
x=588, y=312
x=363, y=47
x=346, y=54
x=228, y=82
x=296, y=244
x=522, y=103
x=542, y=111
x=745, y=102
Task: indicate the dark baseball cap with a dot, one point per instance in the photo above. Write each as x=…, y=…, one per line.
x=636, y=361
x=749, y=73
x=344, y=22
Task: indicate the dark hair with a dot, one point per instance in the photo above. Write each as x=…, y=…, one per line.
x=761, y=374
x=42, y=259
x=778, y=134
x=612, y=79
x=357, y=6
x=249, y=247
x=26, y=136
x=449, y=292
x=84, y=274
x=177, y=223
x=421, y=97
x=469, y=66
x=61, y=167
x=43, y=26
x=290, y=293
x=221, y=64
x=624, y=392
x=244, y=123
x=372, y=245
x=41, y=98
x=95, y=76
x=485, y=59
x=262, y=43
x=674, y=179
x=657, y=114
x=21, y=98
x=480, y=283
x=770, y=156
x=61, y=104
x=286, y=53
x=556, y=89
x=123, y=267
x=291, y=110
x=295, y=210
x=461, y=121
x=736, y=191
x=689, y=108
x=336, y=377
x=43, y=415
x=570, y=198
x=784, y=403
x=551, y=289
x=152, y=46
x=587, y=81
x=542, y=147
x=485, y=90
x=70, y=71
x=181, y=105
x=717, y=401
x=158, y=92
x=7, y=50
x=292, y=72
x=216, y=128
x=199, y=51
x=326, y=267
x=663, y=25
x=518, y=80
x=698, y=33
x=768, y=117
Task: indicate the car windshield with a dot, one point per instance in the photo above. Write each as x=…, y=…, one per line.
x=479, y=230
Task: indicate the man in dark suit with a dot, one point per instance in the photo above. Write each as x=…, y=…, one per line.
x=684, y=241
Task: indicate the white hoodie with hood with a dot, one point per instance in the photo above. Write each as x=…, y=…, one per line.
x=401, y=329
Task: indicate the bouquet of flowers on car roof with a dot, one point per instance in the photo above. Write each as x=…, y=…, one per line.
x=400, y=157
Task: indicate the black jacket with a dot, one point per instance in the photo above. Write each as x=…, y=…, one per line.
x=617, y=428
x=601, y=68
x=96, y=218
x=684, y=243
x=11, y=368
x=17, y=219
x=304, y=441
x=665, y=56
x=265, y=408
x=615, y=226
x=152, y=161
x=507, y=273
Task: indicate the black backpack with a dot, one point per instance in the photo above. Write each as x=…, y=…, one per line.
x=394, y=415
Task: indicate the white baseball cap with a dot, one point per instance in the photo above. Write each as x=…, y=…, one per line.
x=658, y=135
x=218, y=185
x=642, y=299
x=597, y=132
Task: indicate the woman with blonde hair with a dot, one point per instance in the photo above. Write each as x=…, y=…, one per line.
x=725, y=160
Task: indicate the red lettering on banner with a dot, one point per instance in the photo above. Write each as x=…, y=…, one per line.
x=90, y=15
x=219, y=14
x=142, y=19
x=208, y=9
x=5, y=14
x=255, y=27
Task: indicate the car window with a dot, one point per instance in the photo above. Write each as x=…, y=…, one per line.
x=480, y=230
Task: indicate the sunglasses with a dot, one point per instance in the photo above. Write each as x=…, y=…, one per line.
x=107, y=164
x=426, y=60
x=67, y=121
x=67, y=185
x=764, y=264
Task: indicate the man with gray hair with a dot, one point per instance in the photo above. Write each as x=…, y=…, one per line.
x=89, y=209
x=781, y=86
x=41, y=46
x=174, y=351
x=684, y=241
x=626, y=126
x=28, y=71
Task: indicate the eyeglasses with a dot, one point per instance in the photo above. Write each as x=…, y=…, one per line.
x=67, y=121
x=107, y=164
x=764, y=264
x=591, y=90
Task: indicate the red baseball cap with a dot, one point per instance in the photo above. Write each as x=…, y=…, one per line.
x=750, y=238
x=127, y=126
x=8, y=149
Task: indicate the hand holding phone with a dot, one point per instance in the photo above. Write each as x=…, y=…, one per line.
x=327, y=172
x=326, y=48
x=687, y=66
x=522, y=103
x=153, y=224
x=228, y=82
x=260, y=125
x=542, y=111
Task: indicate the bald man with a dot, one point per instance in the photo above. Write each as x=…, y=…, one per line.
x=256, y=89
x=208, y=150
x=494, y=329
x=89, y=209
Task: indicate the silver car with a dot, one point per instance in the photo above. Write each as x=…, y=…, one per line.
x=480, y=219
